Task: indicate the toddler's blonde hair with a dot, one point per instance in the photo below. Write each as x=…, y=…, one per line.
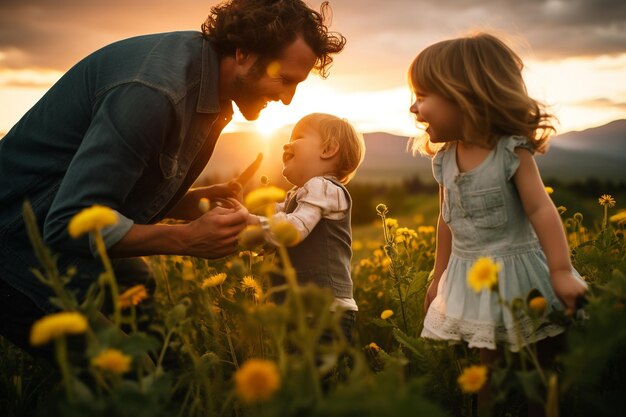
x=351, y=144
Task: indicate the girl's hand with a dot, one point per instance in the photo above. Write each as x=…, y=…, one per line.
x=568, y=289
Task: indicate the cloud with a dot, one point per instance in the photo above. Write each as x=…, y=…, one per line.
x=604, y=103
x=55, y=34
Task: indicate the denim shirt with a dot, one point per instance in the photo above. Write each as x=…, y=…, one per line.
x=130, y=127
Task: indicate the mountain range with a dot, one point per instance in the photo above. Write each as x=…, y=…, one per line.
x=598, y=153
x=595, y=153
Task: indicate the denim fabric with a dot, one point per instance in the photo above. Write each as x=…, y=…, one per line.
x=129, y=127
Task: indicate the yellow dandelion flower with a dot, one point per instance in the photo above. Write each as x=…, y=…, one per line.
x=483, y=274
x=214, y=280
x=112, y=360
x=285, y=233
x=189, y=272
x=366, y=263
x=386, y=314
x=257, y=380
x=619, y=218
x=57, y=325
x=257, y=200
x=606, y=200
x=373, y=346
x=91, y=219
x=473, y=378
x=538, y=305
x=251, y=237
x=549, y=190
x=426, y=229
x=132, y=296
x=249, y=283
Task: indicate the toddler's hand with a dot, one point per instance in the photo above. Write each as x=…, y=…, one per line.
x=568, y=289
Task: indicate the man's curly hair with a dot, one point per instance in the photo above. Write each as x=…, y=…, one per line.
x=267, y=27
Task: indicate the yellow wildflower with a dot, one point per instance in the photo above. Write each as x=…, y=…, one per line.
x=132, y=296
x=249, y=283
x=549, y=190
x=257, y=380
x=404, y=234
x=285, y=233
x=391, y=224
x=473, y=378
x=257, y=200
x=91, y=219
x=189, y=272
x=214, y=280
x=483, y=274
x=606, y=200
x=426, y=229
x=386, y=314
x=373, y=346
x=619, y=218
x=538, y=305
x=251, y=237
x=112, y=360
x=57, y=325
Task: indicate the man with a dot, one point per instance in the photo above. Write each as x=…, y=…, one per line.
x=131, y=127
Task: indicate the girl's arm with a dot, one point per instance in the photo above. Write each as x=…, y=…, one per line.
x=443, y=249
x=549, y=229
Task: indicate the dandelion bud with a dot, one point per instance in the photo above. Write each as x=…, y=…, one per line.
x=251, y=237
x=578, y=217
x=386, y=314
x=373, y=346
x=285, y=233
x=257, y=200
x=204, y=205
x=381, y=209
x=538, y=305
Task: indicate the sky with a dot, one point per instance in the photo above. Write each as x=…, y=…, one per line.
x=574, y=52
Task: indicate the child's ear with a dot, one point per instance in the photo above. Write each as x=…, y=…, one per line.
x=330, y=149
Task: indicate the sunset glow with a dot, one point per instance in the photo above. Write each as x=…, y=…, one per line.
x=583, y=82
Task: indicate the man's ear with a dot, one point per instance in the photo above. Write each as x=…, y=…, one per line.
x=330, y=149
x=242, y=56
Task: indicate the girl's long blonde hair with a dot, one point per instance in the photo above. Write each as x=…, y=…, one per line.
x=483, y=76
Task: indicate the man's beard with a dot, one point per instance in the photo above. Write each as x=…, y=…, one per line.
x=245, y=94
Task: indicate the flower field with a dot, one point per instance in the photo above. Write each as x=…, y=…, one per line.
x=210, y=341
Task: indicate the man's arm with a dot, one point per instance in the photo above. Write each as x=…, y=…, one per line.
x=212, y=235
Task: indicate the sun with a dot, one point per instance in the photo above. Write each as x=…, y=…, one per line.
x=273, y=118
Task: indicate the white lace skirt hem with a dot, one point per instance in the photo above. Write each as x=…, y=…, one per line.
x=514, y=336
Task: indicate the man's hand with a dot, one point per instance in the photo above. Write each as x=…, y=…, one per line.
x=214, y=234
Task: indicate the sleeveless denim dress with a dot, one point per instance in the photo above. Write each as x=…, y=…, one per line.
x=485, y=215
